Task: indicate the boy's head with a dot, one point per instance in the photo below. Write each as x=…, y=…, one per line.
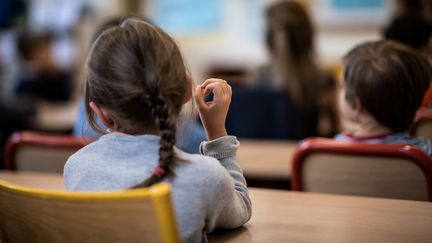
x=387, y=80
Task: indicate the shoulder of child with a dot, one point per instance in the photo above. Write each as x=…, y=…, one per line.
x=81, y=157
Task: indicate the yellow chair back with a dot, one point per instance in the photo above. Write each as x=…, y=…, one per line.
x=37, y=215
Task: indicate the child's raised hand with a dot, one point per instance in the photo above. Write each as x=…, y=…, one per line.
x=213, y=113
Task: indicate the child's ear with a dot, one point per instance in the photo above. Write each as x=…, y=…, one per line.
x=357, y=108
x=103, y=114
x=188, y=94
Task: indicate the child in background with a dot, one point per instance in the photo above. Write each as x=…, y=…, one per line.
x=293, y=68
x=136, y=83
x=384, y=84
x=42, y=77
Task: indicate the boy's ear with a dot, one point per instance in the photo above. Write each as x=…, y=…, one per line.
x=357, y=108
x=103, y=114
x=188, y=94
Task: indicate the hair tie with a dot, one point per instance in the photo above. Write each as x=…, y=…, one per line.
x=159, y=171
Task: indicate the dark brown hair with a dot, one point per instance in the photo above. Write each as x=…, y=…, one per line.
x=389, y=79
x=413, y=31
x=136, y=70
x=290, y=39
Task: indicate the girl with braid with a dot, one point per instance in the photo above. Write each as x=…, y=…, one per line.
x=136, y=84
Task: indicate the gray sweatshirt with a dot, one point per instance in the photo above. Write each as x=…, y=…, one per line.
x=208, y=191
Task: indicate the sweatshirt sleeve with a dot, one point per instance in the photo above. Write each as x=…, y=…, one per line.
x=229, y=203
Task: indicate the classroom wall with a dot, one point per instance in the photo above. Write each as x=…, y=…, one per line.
x=230, y=33
x=233, y=37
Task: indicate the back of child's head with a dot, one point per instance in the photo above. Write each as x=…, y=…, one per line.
x=388, y=79
x=410, y=7
x=136, y=71
x=413, y=31
x=291, y=18
x=290, y=39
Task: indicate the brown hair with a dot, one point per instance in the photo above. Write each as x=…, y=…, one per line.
x=28, y=44
x=389, y=79
x=137, y=72
x=290, y=39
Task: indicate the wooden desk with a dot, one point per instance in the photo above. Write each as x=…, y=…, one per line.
x=266, y=163
x=285, y=216
x=52, y=181
x=55, y=117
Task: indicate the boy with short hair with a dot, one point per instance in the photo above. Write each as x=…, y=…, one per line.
x=384, y=84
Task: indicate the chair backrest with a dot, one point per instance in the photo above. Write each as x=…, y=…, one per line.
x=265, y=113
x=36, y=215
x=31, y=151
x=377, y=170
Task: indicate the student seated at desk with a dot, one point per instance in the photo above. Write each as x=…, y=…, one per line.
x=41, y=76
x=384, y=84
x=136, y=83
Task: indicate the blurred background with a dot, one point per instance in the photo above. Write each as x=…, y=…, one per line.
x=43, y=45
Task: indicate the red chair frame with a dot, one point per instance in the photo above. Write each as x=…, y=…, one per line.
x=329, y=146
x=19, y=139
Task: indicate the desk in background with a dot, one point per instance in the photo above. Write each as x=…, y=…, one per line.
x=266, y=163
x=42, y=180
x=285, y=216
x=55, y=117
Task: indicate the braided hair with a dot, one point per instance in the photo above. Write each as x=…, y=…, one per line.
x=161, y=112
x=137, y=72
